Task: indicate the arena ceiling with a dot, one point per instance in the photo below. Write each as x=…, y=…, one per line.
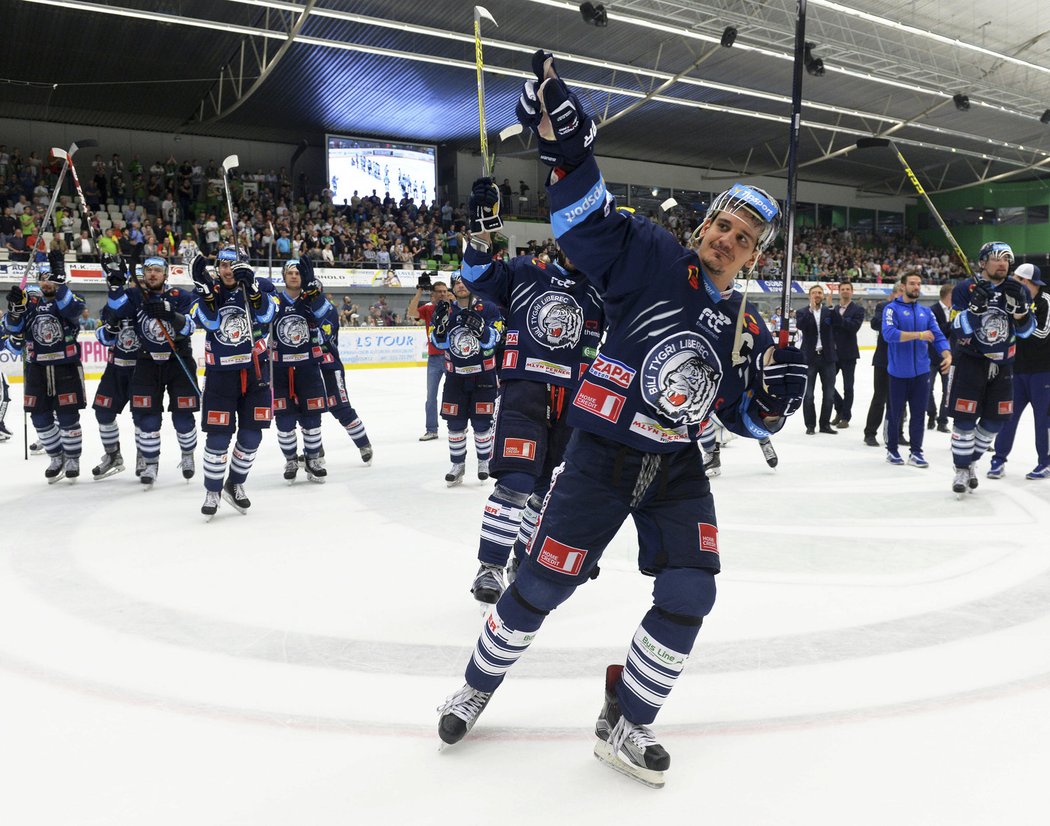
x=405, y=69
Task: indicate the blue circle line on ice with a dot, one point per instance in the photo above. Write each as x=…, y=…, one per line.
x=56, y=577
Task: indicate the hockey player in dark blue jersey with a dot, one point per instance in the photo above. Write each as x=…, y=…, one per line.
x=989, y=313
x=668, y=359
x=47, y=327
x=236, y=309
x=114, y=389
x=467, y=331
x=553, y=324
x=299, y=396
x=334, y=375
x=163, y=321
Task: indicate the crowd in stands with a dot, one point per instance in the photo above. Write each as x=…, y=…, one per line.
x=172, y=208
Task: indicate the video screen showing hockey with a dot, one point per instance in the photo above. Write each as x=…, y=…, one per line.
x=405, y=170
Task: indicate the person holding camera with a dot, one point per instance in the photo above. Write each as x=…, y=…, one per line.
x=435, y=357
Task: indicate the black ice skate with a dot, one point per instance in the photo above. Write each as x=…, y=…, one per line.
x=291, y=470
x=713, y=462
x=959, y=483
x=315, y=469
x=71, y=468
x=211, y=504
x=459, y=713
x=112, y=463
x=187, y=465
x=483, y=469
x=488, y=584
x=36, y=449
x=455, y=474
x=366, y=454
x=768, y=452
x=54, y=470
x=149, y=474
x=234, y=494
x=625, y=747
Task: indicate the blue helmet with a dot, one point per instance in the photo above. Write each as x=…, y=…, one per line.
x=228, y=254
x=155, y=261
x=755, y=205
x=43, y=270
x=289, y=264
x=995, y=249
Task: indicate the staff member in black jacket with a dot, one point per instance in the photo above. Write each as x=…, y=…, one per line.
x=937, y=412
x=852, y=316
x=818, y=324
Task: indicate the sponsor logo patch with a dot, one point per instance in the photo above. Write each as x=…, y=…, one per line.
x=484, y=408
x=103, y=401
x=315, y=403
x=331, y=401
x=611, y=370
x=693, y=276
x=599, y=401
x=263, y=414
x=280, y=404
x=140, y=401
x=652, y=429
x=510, y=359
x=560, y=557
x=548, y=368
x=30, y=401
x=966, y=405
x=186, y=402
x=512, y=337
x=449, y=409
x=220, y=418
x=519, y=449
x=708, y=537
x=1006, y=408
x=67, y=398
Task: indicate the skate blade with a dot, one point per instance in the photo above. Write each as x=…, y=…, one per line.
x=317, y=480
x=233, y=503
x=449, y=484
x=208, y=516
x=647, y=777
x=108, y=473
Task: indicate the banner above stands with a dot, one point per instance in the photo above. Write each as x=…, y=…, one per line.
x=179, y=275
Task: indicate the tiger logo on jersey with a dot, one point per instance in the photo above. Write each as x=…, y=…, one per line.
x=233, y=326
x=47, y=330
x=556, y=321
x=293, y=331
x=127, y=338
x=153, y=330
x=994, y=328
x=462, y=344
x=680, y=377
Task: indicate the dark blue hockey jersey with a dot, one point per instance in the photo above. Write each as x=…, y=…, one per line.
x=233, y=339
x=127, y=304
x=49, y=327
x=465, y=354
x=553, y=318
x=295, y=337
x=666, y=362
x=992, y=334
x=328, y=328
x=123, y=342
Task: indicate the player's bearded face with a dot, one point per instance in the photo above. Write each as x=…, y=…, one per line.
x=154, y=277
x=226, y=273
x=996, y=269
x=727, y=245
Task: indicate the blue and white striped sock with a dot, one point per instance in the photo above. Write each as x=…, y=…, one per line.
x=187, y=440
x=288, y=442
x=148, y=444
x=650, y=674
x=109, y=432
x=357, y=432
x=72, y=441
x=312, y=441
x=500, y=523
x=51, y=440
x=508, y=632
x=982, y=440
x=214, y=469
x=483, y=444
x=962, y=447
x=457, y=446
x=241, y=464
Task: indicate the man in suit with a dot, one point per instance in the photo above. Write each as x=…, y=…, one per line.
x=937, y=412
x=818, y=325
x=852, y=316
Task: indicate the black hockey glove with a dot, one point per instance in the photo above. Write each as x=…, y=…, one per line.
x=306, y=274
x=571, y=139
x=439, y=321
x=784, y=378
x=245, y=276
x=58, y=267
x=423, y=282
x=473, y=324
x=1017, y=301
x=202, y=280
x=160, y=309
x=116, y=271
x=983, y=290
x=484, y=205
x=16, y=300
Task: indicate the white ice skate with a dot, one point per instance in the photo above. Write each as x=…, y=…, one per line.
x=291, y=470
x=455, y=474
x=315, y=469
x=71, y=468
x=111, y=464
x=211, y=504
x=626, y=747
x=187, y=465
x=483, y=469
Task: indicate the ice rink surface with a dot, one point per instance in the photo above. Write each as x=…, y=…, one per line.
x=879, y=652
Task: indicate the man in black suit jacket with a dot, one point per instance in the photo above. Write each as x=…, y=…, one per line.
x=852, y=316
x=937, y=411
x=818, y=324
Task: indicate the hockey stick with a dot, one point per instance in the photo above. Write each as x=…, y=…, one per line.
x=792, y=171
x=479, y=12
x=870, y=143
x=228, y=163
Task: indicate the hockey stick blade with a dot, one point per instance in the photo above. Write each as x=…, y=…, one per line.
x=230, y=162
x=56, y=152
x=669, y=204
x=481, y=11
x=87, y=143
x=510, y=131
x=873, y=143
